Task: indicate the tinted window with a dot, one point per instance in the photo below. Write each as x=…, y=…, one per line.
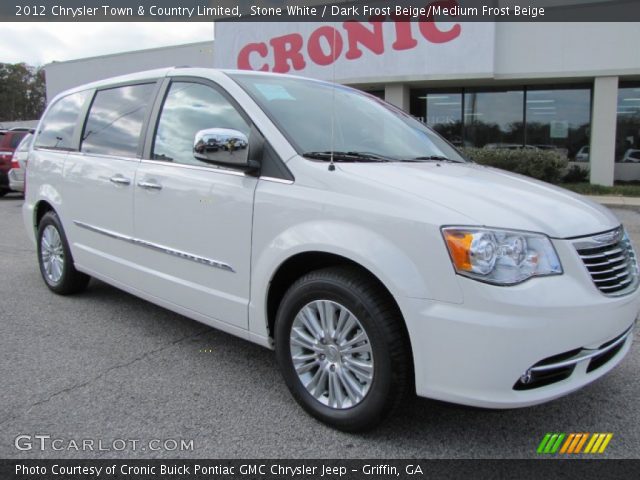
x=442, y=111
x=115, y=120
x=628, y=120
x=56, y=130
x=494, y=119
x=559, y=119
x=189, y=108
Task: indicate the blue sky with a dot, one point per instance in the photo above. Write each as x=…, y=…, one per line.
x=42, y=43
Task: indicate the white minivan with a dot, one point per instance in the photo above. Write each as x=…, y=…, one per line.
x=324, y=223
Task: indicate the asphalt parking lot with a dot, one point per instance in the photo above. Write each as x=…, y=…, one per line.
x=107, y=365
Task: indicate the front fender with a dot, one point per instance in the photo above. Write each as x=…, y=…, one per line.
x=377, y=253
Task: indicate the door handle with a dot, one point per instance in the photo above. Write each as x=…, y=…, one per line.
x=119, y=180
x=150, y=185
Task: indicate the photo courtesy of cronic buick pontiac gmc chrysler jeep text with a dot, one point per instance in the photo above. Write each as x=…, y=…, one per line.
x=329, y=225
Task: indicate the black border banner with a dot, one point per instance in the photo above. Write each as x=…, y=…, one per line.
x=319, y=10
x=316, y=469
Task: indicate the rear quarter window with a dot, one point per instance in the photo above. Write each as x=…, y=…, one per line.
x=59, y=123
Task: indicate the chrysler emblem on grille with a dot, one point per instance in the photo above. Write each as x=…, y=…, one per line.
x=610, y=237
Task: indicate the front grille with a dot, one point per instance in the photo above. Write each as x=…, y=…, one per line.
x=611, y=263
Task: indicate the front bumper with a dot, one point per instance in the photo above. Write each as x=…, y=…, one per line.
x=476, y=353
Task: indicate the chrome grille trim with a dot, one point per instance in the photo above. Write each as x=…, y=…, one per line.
x=610, y=260
x=585, y=353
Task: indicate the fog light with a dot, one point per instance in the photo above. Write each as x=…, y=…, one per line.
x=526, y=377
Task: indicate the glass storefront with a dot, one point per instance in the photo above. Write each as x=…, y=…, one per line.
x=525, y=117
x=444, y=113
x=559, y=119
x=628, y=123
x=493, y=119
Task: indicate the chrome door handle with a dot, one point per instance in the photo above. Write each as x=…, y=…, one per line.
x=150, y=185
x=119, y=180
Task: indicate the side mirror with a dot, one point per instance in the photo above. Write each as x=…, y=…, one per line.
x=222, y=146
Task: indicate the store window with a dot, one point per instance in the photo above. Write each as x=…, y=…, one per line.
x=628, y=123
x=559, y=119
x=442, y=111
x=494, y=119
x=525, y=117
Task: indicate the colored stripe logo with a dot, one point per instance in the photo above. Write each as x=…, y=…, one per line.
x=574, y=443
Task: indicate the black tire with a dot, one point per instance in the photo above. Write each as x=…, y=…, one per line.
x=378, y=315
x=71, y=281
x=3, y=193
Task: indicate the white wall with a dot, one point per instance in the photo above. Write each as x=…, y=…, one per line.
x=64, y=75
x=556, y=50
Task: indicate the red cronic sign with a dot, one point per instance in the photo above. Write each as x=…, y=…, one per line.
x=326, y=44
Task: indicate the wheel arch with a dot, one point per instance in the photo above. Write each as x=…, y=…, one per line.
x=302, y=263
x=40, y=209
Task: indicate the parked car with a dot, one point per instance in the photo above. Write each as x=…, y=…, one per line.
x=583, y=154
x=632, y=155
x=348, y=236
x=9, y=140
x=19, y=164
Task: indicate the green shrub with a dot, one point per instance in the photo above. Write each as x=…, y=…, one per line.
x=545, y=165
x=576, y=174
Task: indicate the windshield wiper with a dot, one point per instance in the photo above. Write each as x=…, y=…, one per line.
x=435, y=158
x=347, y=156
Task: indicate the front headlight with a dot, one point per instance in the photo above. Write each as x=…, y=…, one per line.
x=501, y=257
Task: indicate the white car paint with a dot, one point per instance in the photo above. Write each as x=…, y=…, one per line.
x=470, y=341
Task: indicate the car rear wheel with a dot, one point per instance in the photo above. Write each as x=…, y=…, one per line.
x=3, y=193
x=55, y=260
x=342, y=348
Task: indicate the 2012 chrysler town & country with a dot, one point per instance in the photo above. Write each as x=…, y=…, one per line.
x=324, y=223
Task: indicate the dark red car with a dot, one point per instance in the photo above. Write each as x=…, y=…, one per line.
x=9, y=140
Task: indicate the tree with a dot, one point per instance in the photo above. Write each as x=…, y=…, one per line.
x=22, y=92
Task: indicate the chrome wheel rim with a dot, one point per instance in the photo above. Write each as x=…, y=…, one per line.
x=331, y=354
x=52, y=254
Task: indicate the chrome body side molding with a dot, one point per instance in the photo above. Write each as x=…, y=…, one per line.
x=161, y=248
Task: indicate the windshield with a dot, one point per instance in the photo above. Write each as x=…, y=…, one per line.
x=364, y=128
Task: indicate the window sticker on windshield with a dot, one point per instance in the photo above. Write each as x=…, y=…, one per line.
x=273, y=92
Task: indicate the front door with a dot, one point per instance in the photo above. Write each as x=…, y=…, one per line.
x=193, y=219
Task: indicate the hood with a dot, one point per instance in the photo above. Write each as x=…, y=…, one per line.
x=492, y=197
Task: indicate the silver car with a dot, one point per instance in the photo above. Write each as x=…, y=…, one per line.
x=19, y=164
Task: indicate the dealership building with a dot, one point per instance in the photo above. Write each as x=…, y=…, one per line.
x=571, y=87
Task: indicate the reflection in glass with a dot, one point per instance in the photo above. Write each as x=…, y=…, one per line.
x=442, y=111
x=188, y=109
x=533, y=118
x=559, y=120
x=628, y=124
x=57, y=128
x=493, y=119
x=115, y=120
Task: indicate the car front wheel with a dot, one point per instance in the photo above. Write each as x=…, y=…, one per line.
x=342, y=348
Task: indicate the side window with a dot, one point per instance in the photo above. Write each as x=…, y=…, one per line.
x=56, y=130
x=115, y=120
x=189, y=108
